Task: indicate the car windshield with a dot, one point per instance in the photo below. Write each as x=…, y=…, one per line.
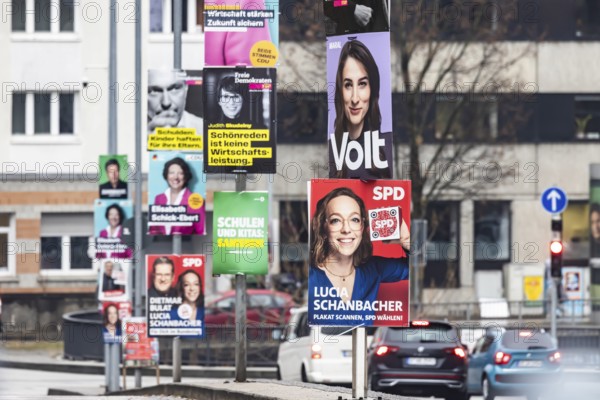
x=431, y=334
x=527, y=340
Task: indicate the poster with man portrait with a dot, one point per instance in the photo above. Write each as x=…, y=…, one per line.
x=174, y=110
x=241, y=33
x=109, y=228
x=175, y=295
x=356, y=16
x=359, y=236
x=240, y=233
x=176, y=194
x=114, y=280
x=360, y=110
x=240, y=124
x=114, y=171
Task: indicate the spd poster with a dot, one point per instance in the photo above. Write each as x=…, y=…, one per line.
x=240, y=230
x=114, y=280
x=175, y=296
x=139, y=350
x=358, y=270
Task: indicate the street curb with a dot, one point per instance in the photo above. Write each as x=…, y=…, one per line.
x=192, y=392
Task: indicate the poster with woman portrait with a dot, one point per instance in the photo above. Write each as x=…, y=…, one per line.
x=176, y=194
x=359, y=237
x=241, y=120
x=175, y=296
x=241, y=33
x=109, y=228
x=360, y=106
x=356, y=16
x=113, y=314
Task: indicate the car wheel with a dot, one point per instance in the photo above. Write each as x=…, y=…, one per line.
x=488, y=393
x=303, y=375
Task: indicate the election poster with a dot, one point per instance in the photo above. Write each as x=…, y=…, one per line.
x=139, y=350
x=240, y=230
x=358, y=269
x=114, y=280
x=175, y=110
x=175, y=295
x=241, y=33
x=176, y=194
x=360, y=118
x=356, y=16
x=113, y=176
x=240, y=124
x=113, y=314
x=594, y=211
x=109, y=220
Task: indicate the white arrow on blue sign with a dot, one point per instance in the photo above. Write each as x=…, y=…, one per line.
x=554, y=200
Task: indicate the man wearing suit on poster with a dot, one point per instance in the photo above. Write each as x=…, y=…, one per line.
x=114, y=188
x=163, y=275
x=358, y=16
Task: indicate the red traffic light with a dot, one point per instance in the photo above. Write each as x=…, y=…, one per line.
x=556, y=247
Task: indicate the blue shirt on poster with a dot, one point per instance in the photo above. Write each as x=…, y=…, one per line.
x=366, y=285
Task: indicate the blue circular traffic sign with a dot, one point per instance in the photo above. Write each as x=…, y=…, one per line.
x=554, y=200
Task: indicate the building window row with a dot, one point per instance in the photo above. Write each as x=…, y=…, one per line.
x=52, y=16
x=43, y=113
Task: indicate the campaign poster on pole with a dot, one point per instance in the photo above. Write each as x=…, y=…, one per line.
x=114, y=171
x=113, y=313
x=240, y=124
x=114, y=280
x=139, y=350
x=356, y=16
x=175, y=296
x=360, y=118
x=175, y=110
x=358, y=270
x=109, y=219
x=240, y=230
x=176, y=194
x=241, y=33
x=595, y=211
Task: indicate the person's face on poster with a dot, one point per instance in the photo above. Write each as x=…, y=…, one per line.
x=175, y=177
x=112, y=315
x=163, y=277
x=112, y=171
x=114, y=219
x=344, y=225
x=108, y=268
x=595, y=225
x=231, y=103
x=166, y=99
x=191, y=287
x=356, y=92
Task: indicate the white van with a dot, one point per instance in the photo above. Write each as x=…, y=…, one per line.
x=316, y=354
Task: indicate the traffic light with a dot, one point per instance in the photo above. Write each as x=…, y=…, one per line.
x=556, y=253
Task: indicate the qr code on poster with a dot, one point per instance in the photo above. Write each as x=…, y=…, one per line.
x=385, y=223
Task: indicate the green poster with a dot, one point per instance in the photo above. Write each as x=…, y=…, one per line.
x=114, y=171
x=240, y=228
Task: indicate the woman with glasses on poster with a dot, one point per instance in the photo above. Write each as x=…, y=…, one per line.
x=357, y=111
x=342, y=264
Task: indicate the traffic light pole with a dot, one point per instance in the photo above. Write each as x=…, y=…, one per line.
x=556, y=254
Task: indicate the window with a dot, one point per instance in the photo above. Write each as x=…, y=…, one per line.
x=492, y=239
x=7, y=236
x=50, y=16
x=587, y=18
x=587, y=117
x=66, y=239
x=161, y=16
x=442, y=245
x=466, y=118
x=47, y=113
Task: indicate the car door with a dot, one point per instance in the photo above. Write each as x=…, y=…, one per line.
x=294, y=348
x=477, y=362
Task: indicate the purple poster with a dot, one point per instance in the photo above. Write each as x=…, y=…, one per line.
x=360, y=106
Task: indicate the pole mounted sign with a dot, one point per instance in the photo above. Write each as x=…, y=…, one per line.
x=554, y=200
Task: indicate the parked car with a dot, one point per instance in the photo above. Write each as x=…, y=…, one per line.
x=424, y=359
x=521, y=362
x=318, y=354
x=264, y=306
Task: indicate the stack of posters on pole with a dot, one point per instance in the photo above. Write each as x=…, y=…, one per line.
x=139, y=350
x=175, y=295
x=176, y=194
x=240, y=229
x=241, y=33
x=359, y=77
x=240, y=122
x=109, y=227
x=358, y=273
x=114, y=171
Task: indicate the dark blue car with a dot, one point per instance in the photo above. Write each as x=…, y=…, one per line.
x=514, y=362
